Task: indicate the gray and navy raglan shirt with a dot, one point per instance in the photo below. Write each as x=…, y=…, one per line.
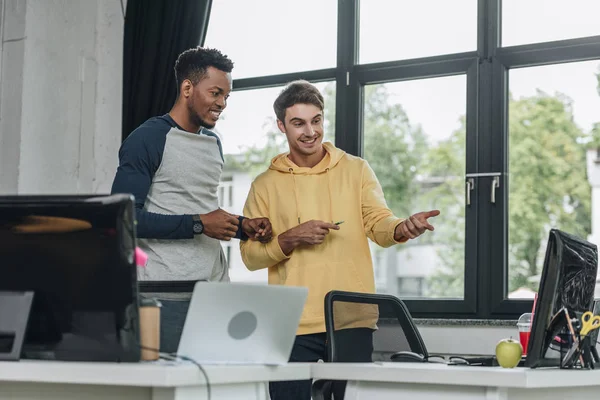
x=173, y=175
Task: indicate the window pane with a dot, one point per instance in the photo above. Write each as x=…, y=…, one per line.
x=553, y=114
x=250, y=138
x=415, y=142
x=404, y=29
x=266, y=37
x=535, y=21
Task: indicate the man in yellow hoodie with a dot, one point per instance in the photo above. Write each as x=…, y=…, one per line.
x=306, y=194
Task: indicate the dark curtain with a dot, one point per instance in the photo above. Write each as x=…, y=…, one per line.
x=156, y=32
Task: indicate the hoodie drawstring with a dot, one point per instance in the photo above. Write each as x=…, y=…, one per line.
x=330, y=196
x=291, y=170
x=295, y=195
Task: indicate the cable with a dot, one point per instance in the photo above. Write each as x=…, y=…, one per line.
x=176, y=357
x=201, y=368
x=122, y=9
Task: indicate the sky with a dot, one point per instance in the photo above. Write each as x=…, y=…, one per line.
x=279, y=37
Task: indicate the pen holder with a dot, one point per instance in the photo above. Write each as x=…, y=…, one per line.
x=567, y=353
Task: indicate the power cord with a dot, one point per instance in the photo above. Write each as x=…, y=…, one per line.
x=177, y=357
x=201, y=368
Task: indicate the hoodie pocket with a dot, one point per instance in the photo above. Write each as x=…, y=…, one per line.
x=320, y=280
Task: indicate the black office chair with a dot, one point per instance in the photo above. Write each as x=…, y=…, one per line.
x=364, y=327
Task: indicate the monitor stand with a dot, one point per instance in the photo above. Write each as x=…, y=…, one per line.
x=14, y=314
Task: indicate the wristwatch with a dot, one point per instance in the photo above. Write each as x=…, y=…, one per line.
x=198, y=225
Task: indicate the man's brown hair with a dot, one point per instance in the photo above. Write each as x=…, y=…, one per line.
x=297, y=92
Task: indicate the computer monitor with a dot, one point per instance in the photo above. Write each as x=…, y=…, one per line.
x=77, y=255
x=568, y=281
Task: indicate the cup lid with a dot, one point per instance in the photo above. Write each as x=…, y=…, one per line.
x=148, y=302
x=524, y=319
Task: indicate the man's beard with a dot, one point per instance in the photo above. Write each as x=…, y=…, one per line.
x=203, y=123
x=196, y=119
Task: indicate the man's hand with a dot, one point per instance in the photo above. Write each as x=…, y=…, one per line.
x=307, y=234
x=415, y=225
x=258, y=229
x=219, y=224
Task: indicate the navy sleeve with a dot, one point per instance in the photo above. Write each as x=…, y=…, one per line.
x=139, y=158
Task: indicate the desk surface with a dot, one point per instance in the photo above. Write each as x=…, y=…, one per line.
x=432, y=373
x=159, y=374
x=163, y=374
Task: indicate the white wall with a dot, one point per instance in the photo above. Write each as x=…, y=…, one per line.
x=60, y=95
x=474, y=340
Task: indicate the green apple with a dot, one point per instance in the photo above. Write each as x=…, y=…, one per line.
x=508, y=353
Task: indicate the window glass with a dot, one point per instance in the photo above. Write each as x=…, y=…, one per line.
x=267, y=37
x=535, y=21
x=414, y=134
x=404, y=29
x=554, y=113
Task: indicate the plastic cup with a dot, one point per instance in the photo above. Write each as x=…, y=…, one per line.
x=150, y=329
x=524, y=327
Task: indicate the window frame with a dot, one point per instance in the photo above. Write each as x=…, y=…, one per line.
x=486, y=69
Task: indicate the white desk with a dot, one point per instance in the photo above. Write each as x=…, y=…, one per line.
x=28, y=380
x=383, y=381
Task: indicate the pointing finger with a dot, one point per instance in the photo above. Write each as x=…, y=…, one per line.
x=432, y=213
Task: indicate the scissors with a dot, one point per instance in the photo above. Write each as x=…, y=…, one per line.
x=589, y=322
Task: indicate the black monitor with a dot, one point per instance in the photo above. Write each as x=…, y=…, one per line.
x=77, y=255
x=568, y=281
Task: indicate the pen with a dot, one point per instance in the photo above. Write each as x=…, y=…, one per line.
x=339, y=222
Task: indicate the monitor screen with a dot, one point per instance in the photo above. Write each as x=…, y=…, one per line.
x=568, y=281
x=76, y=254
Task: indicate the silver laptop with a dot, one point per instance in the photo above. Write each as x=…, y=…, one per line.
x=235, y=323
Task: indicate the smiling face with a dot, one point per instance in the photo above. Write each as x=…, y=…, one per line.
x=303, y=127
x=208, y=98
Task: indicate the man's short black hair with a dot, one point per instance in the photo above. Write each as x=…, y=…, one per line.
x=193, y=63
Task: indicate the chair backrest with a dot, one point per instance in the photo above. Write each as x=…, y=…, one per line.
x=363, y=327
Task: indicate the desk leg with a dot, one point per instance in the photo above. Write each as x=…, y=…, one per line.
x=237, y=391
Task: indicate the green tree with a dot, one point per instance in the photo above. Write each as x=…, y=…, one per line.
x=445, y=169
x=394, y=148
x=595, y=134
x=548, y=182
x=256, y=159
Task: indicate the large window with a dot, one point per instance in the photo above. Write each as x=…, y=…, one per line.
x=488, y=110
x=420, y=163
x=552, y=110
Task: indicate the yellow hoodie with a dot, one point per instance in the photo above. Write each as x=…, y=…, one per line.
x=341, y=187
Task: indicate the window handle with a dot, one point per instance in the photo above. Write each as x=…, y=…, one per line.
x=470, y=186
x=495, y=185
